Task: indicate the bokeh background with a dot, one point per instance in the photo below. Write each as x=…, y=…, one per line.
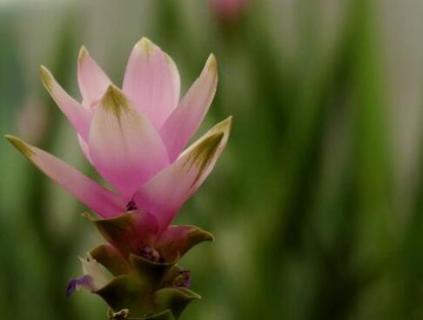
x=316, y=204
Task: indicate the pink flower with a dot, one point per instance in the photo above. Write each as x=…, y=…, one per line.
x=135, y=136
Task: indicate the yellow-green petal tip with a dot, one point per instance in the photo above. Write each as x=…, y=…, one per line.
x=83, y=53
x=211, y=63
x=145, y=45
x=20, y=145
x=46, y=77
x=114, y=100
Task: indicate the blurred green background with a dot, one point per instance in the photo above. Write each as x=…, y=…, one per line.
x=316, y=204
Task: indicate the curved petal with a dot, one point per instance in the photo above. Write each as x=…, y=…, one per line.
x=175, y=241
x=77, y=115
x=84, y=148
x=124, y=147
x=187, y=117
x=92, y=80
x=152, y=82
x=94, y=196
x=110, y=258
x=166, y=192
x=129, y=232
x=175, y=299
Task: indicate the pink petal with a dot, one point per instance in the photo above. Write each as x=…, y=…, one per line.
x=152, y=82
x=165, y=193
x=187, y=117
x=92, y=80
x=77, y=115
x=123, y=145
x=84, y=148
x=97, y=198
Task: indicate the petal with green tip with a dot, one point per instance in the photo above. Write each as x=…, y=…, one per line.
x=175, y=241
x=100, y=200
x=123, y=145
x=166, y=192
x=129, y=232
x=175, y=299
x=120, y=232
x=92, y=80
x=111, y=259
x=187, y=117
x=78, y=116
x=151, y=273
x=126, y=292
x=152, y=82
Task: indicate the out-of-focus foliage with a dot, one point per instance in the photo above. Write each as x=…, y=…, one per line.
x=316, y=204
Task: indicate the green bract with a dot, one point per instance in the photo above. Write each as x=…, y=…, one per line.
x=138, y=287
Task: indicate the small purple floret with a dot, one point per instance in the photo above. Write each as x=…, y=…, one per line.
x=150, y=253
x=76, y=283
x=183, y=279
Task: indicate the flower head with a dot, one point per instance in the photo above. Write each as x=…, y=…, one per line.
x=135, y=136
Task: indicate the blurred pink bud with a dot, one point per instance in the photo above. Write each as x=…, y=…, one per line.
x=228, y=10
